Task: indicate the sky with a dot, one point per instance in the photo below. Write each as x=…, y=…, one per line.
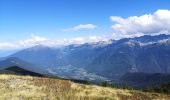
x=25, y=23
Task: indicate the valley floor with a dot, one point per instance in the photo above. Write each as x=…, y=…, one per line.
x=13, y=87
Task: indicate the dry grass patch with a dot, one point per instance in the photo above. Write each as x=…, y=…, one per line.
x=13, y=87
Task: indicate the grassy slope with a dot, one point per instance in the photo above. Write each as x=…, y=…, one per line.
x=14, y=87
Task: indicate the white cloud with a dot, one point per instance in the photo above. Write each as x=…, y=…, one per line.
x=34, y=40
x=90, y=39
x=81, y=27
x=151, y=24
x=6, y=46
x=37, y=40
x=97, y=38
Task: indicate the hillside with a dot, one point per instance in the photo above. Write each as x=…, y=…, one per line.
x=18, y=71
x=38, y=88
x=143, y=80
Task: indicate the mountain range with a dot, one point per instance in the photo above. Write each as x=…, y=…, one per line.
x=104, y=60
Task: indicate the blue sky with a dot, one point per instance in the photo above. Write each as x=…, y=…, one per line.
x=59, y=19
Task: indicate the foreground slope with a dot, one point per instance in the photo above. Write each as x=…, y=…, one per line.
x=38, y=88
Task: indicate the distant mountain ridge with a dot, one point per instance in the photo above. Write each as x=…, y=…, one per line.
x=111, y=59
x=18, y=63
x=18, y=71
